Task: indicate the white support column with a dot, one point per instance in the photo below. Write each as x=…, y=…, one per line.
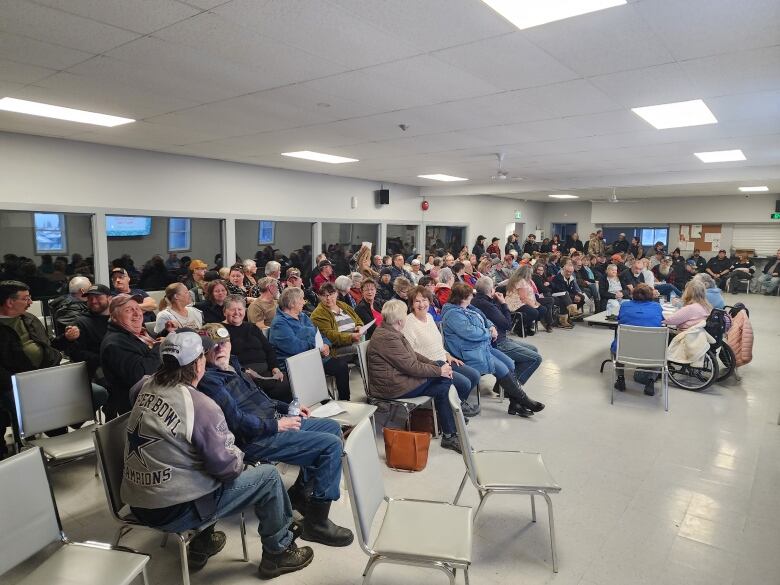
x=316, y=241
x=381, y=245
x=421, y=242
x=228, y=241
x=100, y=248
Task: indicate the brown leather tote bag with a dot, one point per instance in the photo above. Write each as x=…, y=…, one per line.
x=406, y=450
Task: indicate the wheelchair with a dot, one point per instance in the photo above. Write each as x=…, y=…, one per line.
x=719, y=362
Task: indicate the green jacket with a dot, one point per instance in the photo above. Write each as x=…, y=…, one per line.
x=325, y=321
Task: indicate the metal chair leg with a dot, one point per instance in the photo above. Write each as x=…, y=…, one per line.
x=164, y=540
x=185, y=566
x=145, y=576
x=463, y=484
x=243, y=537
x=436, y=428
x=665, y=384
x=369, y=570
x=533, y=509
x=552, y=532
x=482, y=498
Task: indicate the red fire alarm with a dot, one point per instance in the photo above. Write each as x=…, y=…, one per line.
x=425, y=205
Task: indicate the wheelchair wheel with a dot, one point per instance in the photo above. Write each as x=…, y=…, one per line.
x=727, y=361
x=693, y=378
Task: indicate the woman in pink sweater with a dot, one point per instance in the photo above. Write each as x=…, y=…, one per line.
x=695, y=307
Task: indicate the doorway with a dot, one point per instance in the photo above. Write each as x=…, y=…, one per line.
x=564, y=230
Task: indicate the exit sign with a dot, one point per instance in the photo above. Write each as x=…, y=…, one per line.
x=775, y=215
x=519, y=214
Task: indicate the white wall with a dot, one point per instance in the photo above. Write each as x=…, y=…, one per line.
x=726, y=209
x=288, y=236
x=578, y=212
x=16, y=229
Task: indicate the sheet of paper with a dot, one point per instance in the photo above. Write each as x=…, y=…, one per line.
x=712, y=236
x=318, y=341
x=685, y=233
x=558, y=294
x=695, y=231
x=366, y=327
x=328, y=409
x=716, y=243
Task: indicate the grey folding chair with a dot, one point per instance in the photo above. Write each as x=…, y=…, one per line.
x=504, y=472
x=642, y=349
x=110, y=448
x=307, y=380
x=408, y=404
x=51, y=398
x=420, y=533
x=30, y=522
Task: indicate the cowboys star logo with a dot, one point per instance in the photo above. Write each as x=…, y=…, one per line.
x=136, y=441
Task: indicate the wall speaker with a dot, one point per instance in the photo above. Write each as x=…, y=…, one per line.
x=383, y=196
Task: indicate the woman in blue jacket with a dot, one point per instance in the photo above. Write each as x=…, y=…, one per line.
x=642, y=311
x=468, y=335
x=292, y=332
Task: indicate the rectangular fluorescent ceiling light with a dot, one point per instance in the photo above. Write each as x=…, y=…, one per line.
x=528, y=13
x=439, y=177
x=754, y=189
x=677, y=115
x=564, y=196
x=320, y=157
x=720, y=156
x=58, y=112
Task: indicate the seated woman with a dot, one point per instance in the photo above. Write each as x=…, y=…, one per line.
x=468, y=335
x=250, y=273
x=370, y=308
x=401, y=288
x=235, y=283
x=444, y=286
x=212, y=307
x=423, y=335
x=741, y=271
x=695, y=307
x=520, y=297
x=254, y=351
x=343, y=284
x=292, y=332
x=355, y=289
x=177, y=313
x=612, y=287
x=664, y=278
x=643, y=311
x=714, y=294
x=434, y=310
x=337, y=321
x=395, y=370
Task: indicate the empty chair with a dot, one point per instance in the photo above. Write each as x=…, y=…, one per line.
x=408, y=404
x=157, y=295
x=411, y=532
x=30, y=522
x=505, y=472
x=642, y=349
x=109, y=442
x=307, y=380
x=51, y=398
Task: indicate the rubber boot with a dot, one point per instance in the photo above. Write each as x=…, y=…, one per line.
x=297, y=495
x=317, y=527
x=517, y=396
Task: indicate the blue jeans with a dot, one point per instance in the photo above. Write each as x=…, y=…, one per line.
x=667, y=289
x=465, y=379
x=525, y=357
x=531, y=315
x=316, y=449
x=438, y=389
x=502, y=363
x=260, y=487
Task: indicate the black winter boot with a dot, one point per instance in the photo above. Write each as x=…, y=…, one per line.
x=298, y=496
x=317, y=527
x=289, y=560
x=513, y=390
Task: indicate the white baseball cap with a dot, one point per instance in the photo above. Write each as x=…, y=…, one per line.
x=185, y=346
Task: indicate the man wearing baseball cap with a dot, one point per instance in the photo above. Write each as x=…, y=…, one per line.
x=264, y=433
x=183, y=469
x=325, y=275
x=120, y=280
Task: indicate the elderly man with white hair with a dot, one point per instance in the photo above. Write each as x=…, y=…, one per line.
x=67, y=308
x=273, y=270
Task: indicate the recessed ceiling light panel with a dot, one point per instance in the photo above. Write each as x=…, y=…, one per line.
x=720, y=156
x=564, y=196
x=320, y=157
x=527, y=13
x=440, y=177
x=761, y=189
x=10, y=104
x=677, y=115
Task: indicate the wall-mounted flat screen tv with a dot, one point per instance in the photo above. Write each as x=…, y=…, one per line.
x=128, y=226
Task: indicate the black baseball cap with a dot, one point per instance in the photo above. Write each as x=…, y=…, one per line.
x=98, y=289
x=324, y=263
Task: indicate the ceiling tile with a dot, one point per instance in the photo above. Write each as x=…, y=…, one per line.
x=141, y=16
x=696, y=28
x=12, y=122
x=317, y=27
x=54, y=26
x=571, y=98
x=647, y=86
x=743, y=72
x=142, y=135
x=601, y=42
x=21, y=73
x=27, y=50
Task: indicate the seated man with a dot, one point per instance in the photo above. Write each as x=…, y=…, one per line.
x=698, y=260
x=67, y=308
x=718, y=268
x=120, y=280
x=633, y=277
x=183, y=470
x=770, y=277
x=263, y=309
x=564, y=282
x=313, y=444
x=127, y=352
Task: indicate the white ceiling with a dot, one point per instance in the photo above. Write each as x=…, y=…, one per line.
x=244, y=80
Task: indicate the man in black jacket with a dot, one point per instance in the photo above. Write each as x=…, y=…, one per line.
x=718, y=268
x=127, y=352
x=67, y=308
x=620, y=245
x=530, y=245
x=700, y=262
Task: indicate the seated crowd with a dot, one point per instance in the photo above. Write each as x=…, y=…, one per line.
x=213, y=354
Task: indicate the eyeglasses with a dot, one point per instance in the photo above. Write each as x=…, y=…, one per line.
x=27, y=299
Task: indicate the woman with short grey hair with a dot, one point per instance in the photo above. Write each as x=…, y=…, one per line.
x=444, y=286
x=289, y=297
x=343, y=284
x=714, y=294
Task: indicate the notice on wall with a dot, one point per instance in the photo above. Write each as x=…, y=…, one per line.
x=686, y=246
x=685, y=233
x=695, y=231
x=712, y=237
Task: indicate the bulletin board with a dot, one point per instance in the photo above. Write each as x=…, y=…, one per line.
x=704, y=237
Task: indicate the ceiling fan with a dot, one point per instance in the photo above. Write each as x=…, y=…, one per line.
x=613, y=198
x=503, y=175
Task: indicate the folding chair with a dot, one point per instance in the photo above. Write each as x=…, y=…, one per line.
x=307, y=380
x=419, y=533
x=505, y=472
x=109, y=442
x=30, y=522
x=51, y=398
x=157, y=295
x=518, y=317
x=408, y=404
x=642, y=349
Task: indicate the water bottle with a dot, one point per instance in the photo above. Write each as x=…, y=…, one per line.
x=294, y=408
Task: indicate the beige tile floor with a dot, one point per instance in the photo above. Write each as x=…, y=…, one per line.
x=689, y=497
